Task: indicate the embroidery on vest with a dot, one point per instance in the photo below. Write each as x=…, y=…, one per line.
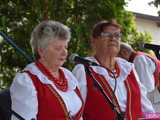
x=63, y=106
x=108, y=93
x=129, y=100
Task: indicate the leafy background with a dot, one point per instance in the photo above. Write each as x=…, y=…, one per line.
x=18, y=18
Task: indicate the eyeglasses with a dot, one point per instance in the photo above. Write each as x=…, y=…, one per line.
x=116, y=35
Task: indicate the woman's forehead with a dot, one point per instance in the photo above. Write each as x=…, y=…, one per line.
x=111, y=28
x=58, y=42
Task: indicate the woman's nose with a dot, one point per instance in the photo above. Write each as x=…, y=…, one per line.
x=116, y=38
x=65, y=52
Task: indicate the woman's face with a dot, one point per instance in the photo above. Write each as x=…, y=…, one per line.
x=109, y=41
x=124, y=53
x=55, y=54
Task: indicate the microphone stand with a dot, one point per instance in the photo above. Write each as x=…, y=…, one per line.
x=10, y=41
x=120, y=116
x=28, y=58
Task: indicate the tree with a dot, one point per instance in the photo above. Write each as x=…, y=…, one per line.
x=156, y=3
x=20, y=16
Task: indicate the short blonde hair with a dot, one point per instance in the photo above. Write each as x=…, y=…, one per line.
x=48, y=31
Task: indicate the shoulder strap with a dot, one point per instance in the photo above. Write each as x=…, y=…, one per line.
x=90, y=73
x=17, y=115
x=80, y=113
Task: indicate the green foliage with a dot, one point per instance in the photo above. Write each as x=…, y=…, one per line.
x=156, y=3
x=130, y=33
x=138, y=39
x=18, y=18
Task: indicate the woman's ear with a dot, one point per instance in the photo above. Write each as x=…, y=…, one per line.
x=94, y=45
x=92, y=41
x=40, y=52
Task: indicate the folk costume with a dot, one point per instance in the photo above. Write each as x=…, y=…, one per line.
x=148, y=69
x=36, y=94
x=125, y=94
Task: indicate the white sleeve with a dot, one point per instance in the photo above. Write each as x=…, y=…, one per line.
x=79, y=73
x=145, y=68
x=145, y=102
x=24, y=97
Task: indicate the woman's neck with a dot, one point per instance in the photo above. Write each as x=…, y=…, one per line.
x=106, y=61
x=54, y=70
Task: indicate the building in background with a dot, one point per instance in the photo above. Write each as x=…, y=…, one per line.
x=150, y=24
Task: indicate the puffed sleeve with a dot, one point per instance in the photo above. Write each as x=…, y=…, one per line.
x=79, y=73
x=145, y=102
x=24, y=97
x=145, y=68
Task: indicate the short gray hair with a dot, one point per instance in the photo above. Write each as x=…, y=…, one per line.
x=48, y=31
x=127, y=47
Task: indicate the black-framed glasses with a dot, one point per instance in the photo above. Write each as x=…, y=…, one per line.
x=116, y=35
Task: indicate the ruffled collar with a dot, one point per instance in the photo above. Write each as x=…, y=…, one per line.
x=72, y=83
x=124, y=66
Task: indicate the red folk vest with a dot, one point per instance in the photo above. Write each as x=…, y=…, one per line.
x=50, y=104
x=157, y=63
x=97, y=108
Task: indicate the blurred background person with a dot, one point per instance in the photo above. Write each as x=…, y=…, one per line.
x=148, y=69
x=119, y=85
x=45, y=90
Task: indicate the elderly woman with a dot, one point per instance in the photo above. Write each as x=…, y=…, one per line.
x=148, y=70
x=45, y=90
x=111, y=90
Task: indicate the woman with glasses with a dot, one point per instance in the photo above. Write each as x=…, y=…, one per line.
x=111, y=90
x=45, y=90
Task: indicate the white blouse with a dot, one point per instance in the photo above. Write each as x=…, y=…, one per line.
x=145, y=68
x=121, y=93
x=24, y=94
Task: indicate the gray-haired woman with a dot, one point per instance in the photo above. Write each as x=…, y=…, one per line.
x=45, y=90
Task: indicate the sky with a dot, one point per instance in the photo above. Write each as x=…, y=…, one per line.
x=141, y=6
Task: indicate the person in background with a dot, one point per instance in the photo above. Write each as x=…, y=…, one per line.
x=118, y=85
x=45, y=90
x=148, y=69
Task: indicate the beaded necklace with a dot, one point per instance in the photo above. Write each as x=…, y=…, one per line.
x=61, y=82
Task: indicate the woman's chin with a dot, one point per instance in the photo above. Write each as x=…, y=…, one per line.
x=113, y=52
x=60, y=64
